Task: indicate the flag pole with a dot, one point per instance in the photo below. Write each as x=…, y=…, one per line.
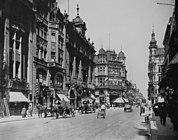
x=68, y=7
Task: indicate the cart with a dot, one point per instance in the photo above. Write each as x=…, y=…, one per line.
x=101, y=113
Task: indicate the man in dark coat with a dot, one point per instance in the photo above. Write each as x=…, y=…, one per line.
x=163, y=113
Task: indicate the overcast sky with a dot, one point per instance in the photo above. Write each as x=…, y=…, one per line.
x=129, y=24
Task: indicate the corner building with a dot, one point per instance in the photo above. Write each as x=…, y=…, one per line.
x=156, y=58
x=110, y=76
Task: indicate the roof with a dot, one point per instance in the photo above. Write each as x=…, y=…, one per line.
x=102, y=51
x=78, y=20
x=121, y=54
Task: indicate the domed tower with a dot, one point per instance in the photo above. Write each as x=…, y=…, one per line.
x=79, y=23
x=153, y=44
x=102, y=51
x=121, y=57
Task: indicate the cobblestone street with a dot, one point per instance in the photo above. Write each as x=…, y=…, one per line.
x=117, y=125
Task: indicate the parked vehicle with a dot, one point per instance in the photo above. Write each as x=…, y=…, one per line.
x=128, y=107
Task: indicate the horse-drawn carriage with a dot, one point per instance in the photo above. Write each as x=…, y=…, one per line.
x=63, y=111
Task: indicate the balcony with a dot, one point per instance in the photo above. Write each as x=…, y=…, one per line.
x=55, y=65
x=40, y=61
x=53, y=25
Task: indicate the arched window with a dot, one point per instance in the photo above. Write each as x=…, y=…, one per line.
x=59, y=81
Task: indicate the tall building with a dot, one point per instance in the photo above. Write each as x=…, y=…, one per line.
x=79, y=62
x=44, y=56
x=48, y=73
x=16, y=43
x=169, y=79
x=156, y=58
x=110, y=75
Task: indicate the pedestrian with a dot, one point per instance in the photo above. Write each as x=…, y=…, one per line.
x=39, y=107
x=147, y=114
x=163, y=113
x=24, y=111
x=30, y=110
x=142, y=109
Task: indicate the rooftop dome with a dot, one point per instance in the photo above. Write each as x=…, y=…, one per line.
x=78, y=20
x=101, y=51
x=121, y=54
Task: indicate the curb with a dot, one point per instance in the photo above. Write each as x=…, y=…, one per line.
x=20, y=119
x=153, y=130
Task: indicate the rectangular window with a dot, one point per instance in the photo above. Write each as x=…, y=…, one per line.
x=53, y=46
x=53, y=56
x=101, y=70
x=53, y=37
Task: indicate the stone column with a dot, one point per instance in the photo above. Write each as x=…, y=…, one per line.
x=14, y=50
x=20, y=65
x=64, y=58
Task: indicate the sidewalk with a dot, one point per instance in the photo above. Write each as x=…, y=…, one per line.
x=17, y=118
x=160, y=132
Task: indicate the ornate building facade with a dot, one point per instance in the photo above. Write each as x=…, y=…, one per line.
x=169, y=76
x=17, y=30
x=156, y=58
x=79, y=62
x=110, y=76
x=43, y=55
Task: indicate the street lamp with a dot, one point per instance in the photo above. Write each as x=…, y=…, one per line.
x=165, y=4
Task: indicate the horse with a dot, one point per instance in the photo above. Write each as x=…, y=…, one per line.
x=63, y=111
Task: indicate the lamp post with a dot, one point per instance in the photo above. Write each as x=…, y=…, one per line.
x=169, y=4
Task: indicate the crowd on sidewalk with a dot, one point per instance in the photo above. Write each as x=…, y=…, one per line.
x=159, y=122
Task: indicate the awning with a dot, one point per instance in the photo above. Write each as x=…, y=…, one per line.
x=92, y=96
x=125, y=100
x=174, y=60
x=62, y=96
x=118, y=100
x=17, y=97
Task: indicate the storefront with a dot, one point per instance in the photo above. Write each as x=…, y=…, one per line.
x=16, y=102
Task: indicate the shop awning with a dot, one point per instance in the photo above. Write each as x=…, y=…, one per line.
x=174, y=60
x=62, y=96
x=125, y=100
x=92, y=96
x=17, y=97
x=118, y=100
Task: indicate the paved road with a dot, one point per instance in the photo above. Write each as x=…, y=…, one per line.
x=118, y=125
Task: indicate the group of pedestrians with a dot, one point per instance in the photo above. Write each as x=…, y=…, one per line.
x=145, y=111
x=26, y=112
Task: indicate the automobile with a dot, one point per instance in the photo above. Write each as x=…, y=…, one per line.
x=128, y=107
